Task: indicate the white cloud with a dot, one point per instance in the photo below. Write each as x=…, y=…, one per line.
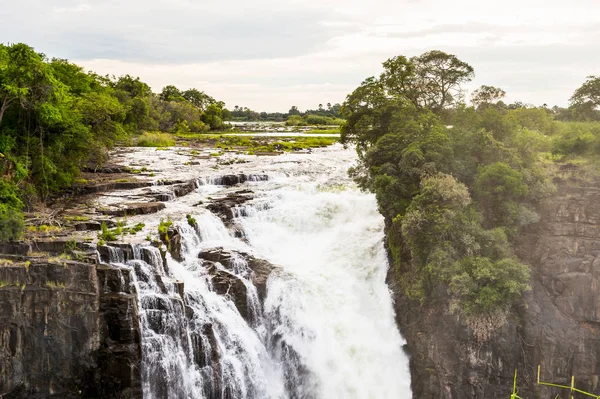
x=269, y=54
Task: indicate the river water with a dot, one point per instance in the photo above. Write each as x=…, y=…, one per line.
x=326, y=327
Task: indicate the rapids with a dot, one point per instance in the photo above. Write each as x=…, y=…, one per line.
x=326, y=327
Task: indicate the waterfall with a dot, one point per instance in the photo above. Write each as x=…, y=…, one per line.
x=323, y=327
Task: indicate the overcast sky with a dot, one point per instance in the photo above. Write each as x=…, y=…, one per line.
x=269, y=55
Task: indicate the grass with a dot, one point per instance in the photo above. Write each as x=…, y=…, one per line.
x=261, y=143
x=323, y=131
x=155, y=140
x=107, y=234
x=45, y=229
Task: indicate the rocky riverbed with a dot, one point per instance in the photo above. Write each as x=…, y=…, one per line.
x=174, y=273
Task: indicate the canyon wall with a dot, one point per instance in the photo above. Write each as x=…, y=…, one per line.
x=557, y=326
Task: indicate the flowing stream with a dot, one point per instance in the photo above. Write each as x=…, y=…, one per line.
x=326, y=326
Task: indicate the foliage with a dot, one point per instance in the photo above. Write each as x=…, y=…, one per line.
x=191, y=220
x=576, y=138
x=155, y=140
x=106, y=234
x=312, y=119
x=55, y=119
x=163, y=226
x=588, y=93
x=238, y=113
x=453, y=197
x=295, y=120
x=11, y=223
x=486, y=96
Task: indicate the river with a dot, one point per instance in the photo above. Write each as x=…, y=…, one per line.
x=326, y=327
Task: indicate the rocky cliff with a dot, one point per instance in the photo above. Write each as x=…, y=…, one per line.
x=67, y=330
x=557, y=326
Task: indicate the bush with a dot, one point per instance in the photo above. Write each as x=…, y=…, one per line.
x=577, y=138
x=480, y=285
x=11, y=223
x=155, y=140
x=295, y=120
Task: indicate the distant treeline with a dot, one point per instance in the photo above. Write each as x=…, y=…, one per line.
x=245, y=114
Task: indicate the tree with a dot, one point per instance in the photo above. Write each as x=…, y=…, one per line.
x=438, y=78
x=294, y=111
x=198, y=98
x=21, y=71
x=588, y=93
x=586, y=100
x=499, y=190
x=487, y=95
x=213, y=116
x=171, y=93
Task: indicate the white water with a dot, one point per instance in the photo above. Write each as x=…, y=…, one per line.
x=326, y=329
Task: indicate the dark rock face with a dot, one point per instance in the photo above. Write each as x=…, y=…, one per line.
x=68, y=330
x=137, y=208
x=224, y=207
x=177, y=190
x=225, y=282
x=558, y=327
x=231, y=180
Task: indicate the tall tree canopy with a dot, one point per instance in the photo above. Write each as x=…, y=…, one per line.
x=55, y=118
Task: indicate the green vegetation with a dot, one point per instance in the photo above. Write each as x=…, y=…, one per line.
x=191, y=220
x=106, y=234
x=311, y=119
x=155, y=140
x=455, y=197
x=322, y=131
x=261, y=144
x=248, y=115
x=121, y=229
x=163, y=227
x=55, y=119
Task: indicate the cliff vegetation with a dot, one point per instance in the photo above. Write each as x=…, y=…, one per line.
x=456, y=183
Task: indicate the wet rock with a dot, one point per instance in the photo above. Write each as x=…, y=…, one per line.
x=259, y=269
x=15, y=248
x=172, y=239
x=88, y=226
x=226, y=283
x=112, y=186
x=136, y=208
x=57, y=246
x=177, y=191
x=231, y=180
x=111, y=253
x=224, y=207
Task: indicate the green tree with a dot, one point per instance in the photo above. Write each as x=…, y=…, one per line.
x=589, y=92
x=198, y=98
x=500, y=189
x=213, y=116
x=486, y=96
x=171, y=93
x=438, y=79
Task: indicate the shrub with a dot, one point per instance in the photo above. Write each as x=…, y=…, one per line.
x=155, y=140
x=106, y=234
x=482, y=286
x=295, y=120
x=11, y=223
x=191, y=220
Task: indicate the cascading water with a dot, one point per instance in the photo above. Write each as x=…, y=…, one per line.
x=325, y=328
